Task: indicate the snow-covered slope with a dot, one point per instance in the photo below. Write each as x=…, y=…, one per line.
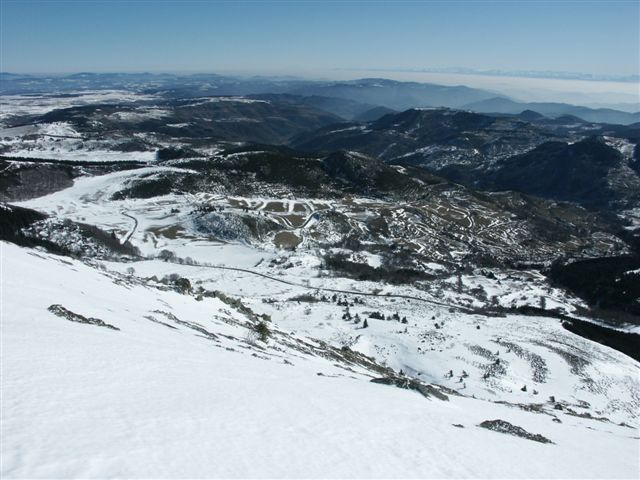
x=180, y=391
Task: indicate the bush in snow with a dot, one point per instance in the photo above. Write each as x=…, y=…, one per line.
x=166, y=255
x=262, y=329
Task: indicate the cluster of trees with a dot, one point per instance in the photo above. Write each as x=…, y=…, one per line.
x=169, y=256
x=611, y=283
x=363, y=271
x=377, y=315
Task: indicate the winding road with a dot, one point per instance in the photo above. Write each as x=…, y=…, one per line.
x=133, y=230
x=336, y=290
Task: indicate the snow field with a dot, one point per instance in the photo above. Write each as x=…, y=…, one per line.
x=151, y=401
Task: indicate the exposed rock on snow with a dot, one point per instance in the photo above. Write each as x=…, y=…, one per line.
x=62, y=312
x=503, y=426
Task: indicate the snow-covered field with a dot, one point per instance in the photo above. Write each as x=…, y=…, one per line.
x=60, y=141
x=500, y=355
x=160, y=400
x=16, y=105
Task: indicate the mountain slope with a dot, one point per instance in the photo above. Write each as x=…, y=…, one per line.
x=540, y=157
x=177, y=390
x=219, y=118
x=431, y=138
x=583, y=172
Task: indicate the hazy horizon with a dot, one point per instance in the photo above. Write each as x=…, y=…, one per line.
x=594, y=93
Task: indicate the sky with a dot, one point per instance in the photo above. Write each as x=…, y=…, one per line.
x=298, y=37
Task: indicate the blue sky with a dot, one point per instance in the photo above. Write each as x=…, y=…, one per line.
x=599, y=37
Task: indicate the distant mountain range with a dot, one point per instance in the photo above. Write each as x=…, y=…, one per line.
x=355, y=96
x=602, y=115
